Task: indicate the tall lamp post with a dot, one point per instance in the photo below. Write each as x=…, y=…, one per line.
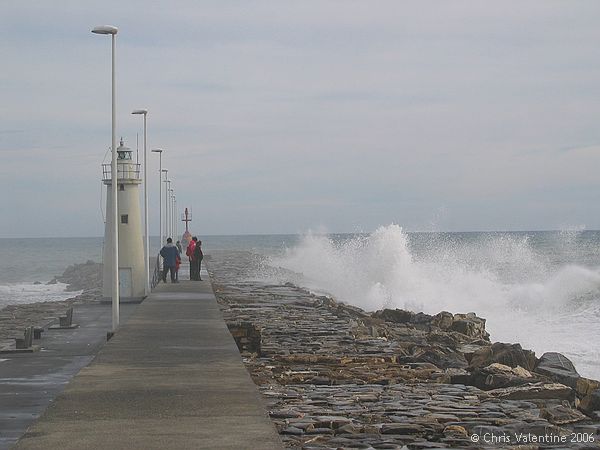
x=107, y=29
x=147, y=241
x=166, y=172
x=172, y=197
x=175, y=216
x=160, y=233
x=169, y=190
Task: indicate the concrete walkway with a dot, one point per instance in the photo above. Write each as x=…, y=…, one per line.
x=29, y=382
x=171, y=378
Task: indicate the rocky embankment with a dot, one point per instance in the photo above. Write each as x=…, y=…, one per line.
x=85, y=277
x=335, y=376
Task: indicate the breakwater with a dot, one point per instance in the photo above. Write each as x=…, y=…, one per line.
x=335, y=376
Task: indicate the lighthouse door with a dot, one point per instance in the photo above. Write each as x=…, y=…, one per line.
x=125, y=288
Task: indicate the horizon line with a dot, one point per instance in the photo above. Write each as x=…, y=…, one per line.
x=323, y=233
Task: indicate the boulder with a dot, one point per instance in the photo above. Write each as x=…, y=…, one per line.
x=591, y=403
x=511, y=355
x=558, y=368
x=442, y=320
x=470, y=325
x=585, y=386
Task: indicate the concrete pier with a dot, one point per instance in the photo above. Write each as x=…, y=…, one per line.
x=171, y=377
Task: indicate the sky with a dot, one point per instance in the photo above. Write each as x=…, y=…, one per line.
x=284, y=116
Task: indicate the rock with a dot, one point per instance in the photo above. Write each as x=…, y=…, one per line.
x=470, y=325
x=591, y=403
x=560, y=415
x=442, y=320
x=395, y=315
x=37, y=282
x=285, y=414
x=511, y=355
x=455, y=430
x=52, y=281
x=333, y=422
x=559, y=368
x=349, y=429
x=534, y=391
x=292, y=430
x=401, y=428
x=585, y=386
x=438, y=356
x=497, y=376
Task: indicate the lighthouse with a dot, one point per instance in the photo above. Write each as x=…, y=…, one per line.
x=132, y=282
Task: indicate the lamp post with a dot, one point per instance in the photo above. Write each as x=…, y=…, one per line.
x=147, y=241
x=169, y=193
x=175, y=217
x=166, y=172
x=160, y=233
x=172, y=197
x=107, y=29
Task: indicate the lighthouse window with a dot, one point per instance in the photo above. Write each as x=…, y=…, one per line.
x=124, y=218
x=121, y=187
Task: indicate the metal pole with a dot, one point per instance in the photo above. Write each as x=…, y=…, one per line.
x=115, y=215
x=146, y=226
x=173, y=214
x=160, y=198
x=170, y=210
x=166, y=171
x=160, y=233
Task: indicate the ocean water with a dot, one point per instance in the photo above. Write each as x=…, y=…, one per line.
x=541, y=289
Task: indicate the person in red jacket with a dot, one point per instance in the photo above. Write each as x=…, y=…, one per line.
x=190, y=254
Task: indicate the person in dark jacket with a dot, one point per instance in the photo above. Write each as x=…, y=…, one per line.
x=170, y=253
x=198, y=259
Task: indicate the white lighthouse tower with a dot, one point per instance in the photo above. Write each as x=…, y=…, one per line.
x=132, y=277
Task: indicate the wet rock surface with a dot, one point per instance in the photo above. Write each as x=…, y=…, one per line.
x=335, y=376
x=86, y=277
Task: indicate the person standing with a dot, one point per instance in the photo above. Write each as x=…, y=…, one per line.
x=170, y=254
x=178, y=245
x=198, y=255
x=177, y=264
x=190, y=254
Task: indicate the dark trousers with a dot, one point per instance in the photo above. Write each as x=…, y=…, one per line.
x=192, y=269
x=195, y=269
x=164, y=274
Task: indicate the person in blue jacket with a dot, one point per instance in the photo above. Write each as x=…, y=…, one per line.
x=170, y=253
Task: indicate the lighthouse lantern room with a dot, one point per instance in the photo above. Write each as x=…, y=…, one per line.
x=131, y=245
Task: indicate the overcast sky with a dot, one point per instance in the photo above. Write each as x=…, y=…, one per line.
x=280, y=116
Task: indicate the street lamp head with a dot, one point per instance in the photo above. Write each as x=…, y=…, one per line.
x=105, y=29
x=141, y=111
x=165, y=170
x=157, y=150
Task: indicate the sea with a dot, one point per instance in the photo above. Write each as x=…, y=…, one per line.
x=538, y=288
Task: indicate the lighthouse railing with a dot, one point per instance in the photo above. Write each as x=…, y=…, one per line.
x=130, y=171
x=156, y=273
